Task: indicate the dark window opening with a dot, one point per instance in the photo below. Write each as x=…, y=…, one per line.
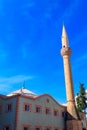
x=27, y=107
x=37, y=128
x=48, y=112
x=55, y=113
x=26, y=128
x=9, y=107
x=63, y=114
x=7, y=128
x=38, y=109
x=0, y=109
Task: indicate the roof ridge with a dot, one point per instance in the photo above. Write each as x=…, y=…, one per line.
x=22, y=91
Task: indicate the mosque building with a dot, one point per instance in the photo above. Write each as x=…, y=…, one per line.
x=25, y=110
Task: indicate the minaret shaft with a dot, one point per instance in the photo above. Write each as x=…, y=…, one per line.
x=68, y=79
x=71, y=108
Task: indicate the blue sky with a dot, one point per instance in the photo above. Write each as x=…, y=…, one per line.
x=30, y=43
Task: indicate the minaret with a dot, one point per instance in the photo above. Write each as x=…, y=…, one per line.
x=72, y=113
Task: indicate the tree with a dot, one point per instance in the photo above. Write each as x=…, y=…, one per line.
x=81, y=99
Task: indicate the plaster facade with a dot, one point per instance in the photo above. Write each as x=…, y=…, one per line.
x=20, y=119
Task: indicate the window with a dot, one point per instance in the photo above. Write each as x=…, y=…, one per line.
x=9, y=107
x=56, y=128
x=48, y=112
x=0, y=109
x=63, y=114
x=26, y=128
x=6, y=128
x=48, y=128
x=38, y=109
x=27, y=107
x=38, y=128
x=55, y=112
x=48, y=100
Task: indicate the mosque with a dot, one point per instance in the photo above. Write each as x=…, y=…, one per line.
x=25, y=110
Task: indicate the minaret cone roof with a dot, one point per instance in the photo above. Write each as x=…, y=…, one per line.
x=64, y=37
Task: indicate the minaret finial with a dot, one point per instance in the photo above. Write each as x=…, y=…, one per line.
x=65, y=42
x=23, y=86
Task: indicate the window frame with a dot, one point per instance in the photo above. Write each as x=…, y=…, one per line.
x=56, y=128
x=4, y=128
x=9, y=107
x=56, y=114
x=40, y=109
x=63, y=114
x=48, y=127
x=27, y=126
x=26, y=109
x=38, y=127
x=0, y=108
x=46, y=111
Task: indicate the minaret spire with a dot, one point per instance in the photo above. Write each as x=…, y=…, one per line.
x=73, y=120
x=65, y=42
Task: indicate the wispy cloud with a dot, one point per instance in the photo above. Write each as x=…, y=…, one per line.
x=24, y=52
x=6, y=83
x=79, y=37
x=3, y=53
x=24, y=49
x=26, y=7
x=80, y=61
x=82, y=58
x=70, y=10
x=15, y=79
x=1, y=7
x=30, y=4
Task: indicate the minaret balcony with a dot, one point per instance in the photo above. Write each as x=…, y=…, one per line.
x=66, y=51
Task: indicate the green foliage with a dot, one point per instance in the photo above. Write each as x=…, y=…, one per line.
x=81, y=99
